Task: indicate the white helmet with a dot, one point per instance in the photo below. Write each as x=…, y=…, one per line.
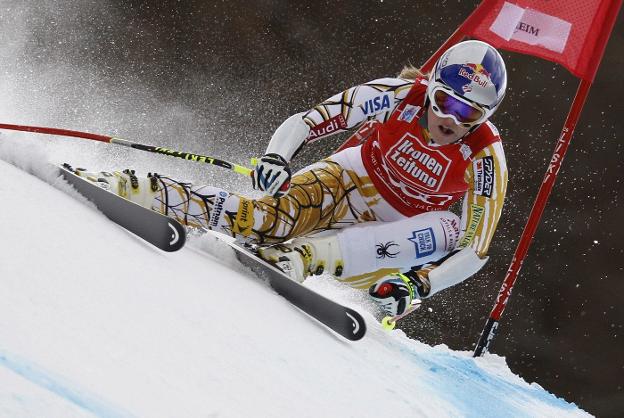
x=468, y=83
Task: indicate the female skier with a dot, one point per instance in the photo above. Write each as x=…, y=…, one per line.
x=425, y=142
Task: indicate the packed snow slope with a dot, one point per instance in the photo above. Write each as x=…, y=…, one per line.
x=95, y=322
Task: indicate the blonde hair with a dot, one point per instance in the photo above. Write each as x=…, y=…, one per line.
x=410, y=72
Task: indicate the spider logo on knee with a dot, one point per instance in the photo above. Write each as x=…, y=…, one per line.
x=383, y=250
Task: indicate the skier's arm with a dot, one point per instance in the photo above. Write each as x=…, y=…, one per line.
x=341, y=112
x=482, y=207
x=483, y=203
x=373, y=100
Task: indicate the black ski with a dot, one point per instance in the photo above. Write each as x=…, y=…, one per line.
x=345, y=321
x=157, y=229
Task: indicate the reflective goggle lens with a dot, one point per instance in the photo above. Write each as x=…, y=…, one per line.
x=449, y=105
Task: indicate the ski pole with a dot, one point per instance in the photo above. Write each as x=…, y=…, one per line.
x=124, y=142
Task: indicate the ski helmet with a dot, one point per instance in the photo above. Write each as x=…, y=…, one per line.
x=467, y=83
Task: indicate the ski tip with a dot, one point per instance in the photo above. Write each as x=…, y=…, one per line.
x=163, y=232
x=177, y=238
x=358, y=326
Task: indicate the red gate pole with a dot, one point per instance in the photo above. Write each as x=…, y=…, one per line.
x=491, y=325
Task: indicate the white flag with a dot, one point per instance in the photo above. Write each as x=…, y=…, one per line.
x=531, y=27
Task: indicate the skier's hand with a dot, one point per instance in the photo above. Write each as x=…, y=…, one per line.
x=272, y=175
x=393, y=293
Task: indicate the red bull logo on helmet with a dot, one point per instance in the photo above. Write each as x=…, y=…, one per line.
x=479, y=69
x=475, y=73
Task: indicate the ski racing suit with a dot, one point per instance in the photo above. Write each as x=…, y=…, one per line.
x=394, y=190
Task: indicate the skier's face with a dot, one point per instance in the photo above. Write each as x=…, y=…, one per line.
x=444, y=130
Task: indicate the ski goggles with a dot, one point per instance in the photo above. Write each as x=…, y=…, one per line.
x=446, y=104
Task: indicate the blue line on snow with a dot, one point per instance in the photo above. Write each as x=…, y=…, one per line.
x=56, y=385
x=468, y=386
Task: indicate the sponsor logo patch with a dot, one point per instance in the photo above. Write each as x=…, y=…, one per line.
x=483, y=169
x=465, y=150
x=424, y=241
x=475, y=73
x=217, y=208
x=387, y=250
x=420, y=165
x=409, y=112
x=451, y=231
x=377, y=104
x=327, y=127
x=244, y=218
x=473, y=223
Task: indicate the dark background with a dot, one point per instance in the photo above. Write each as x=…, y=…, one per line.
x=217, y=77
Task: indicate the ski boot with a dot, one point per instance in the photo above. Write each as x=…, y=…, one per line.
x=123, y=183
x=306, y=256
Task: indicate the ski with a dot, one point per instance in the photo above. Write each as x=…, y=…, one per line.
x=169, y=235
x=341, y=319
x=157, y=229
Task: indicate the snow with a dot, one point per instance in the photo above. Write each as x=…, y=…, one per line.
x=95, y=322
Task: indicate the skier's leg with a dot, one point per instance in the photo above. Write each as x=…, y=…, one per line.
x=323, y=196
x=364, y=253
x=192, y=206
x=374, y=250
